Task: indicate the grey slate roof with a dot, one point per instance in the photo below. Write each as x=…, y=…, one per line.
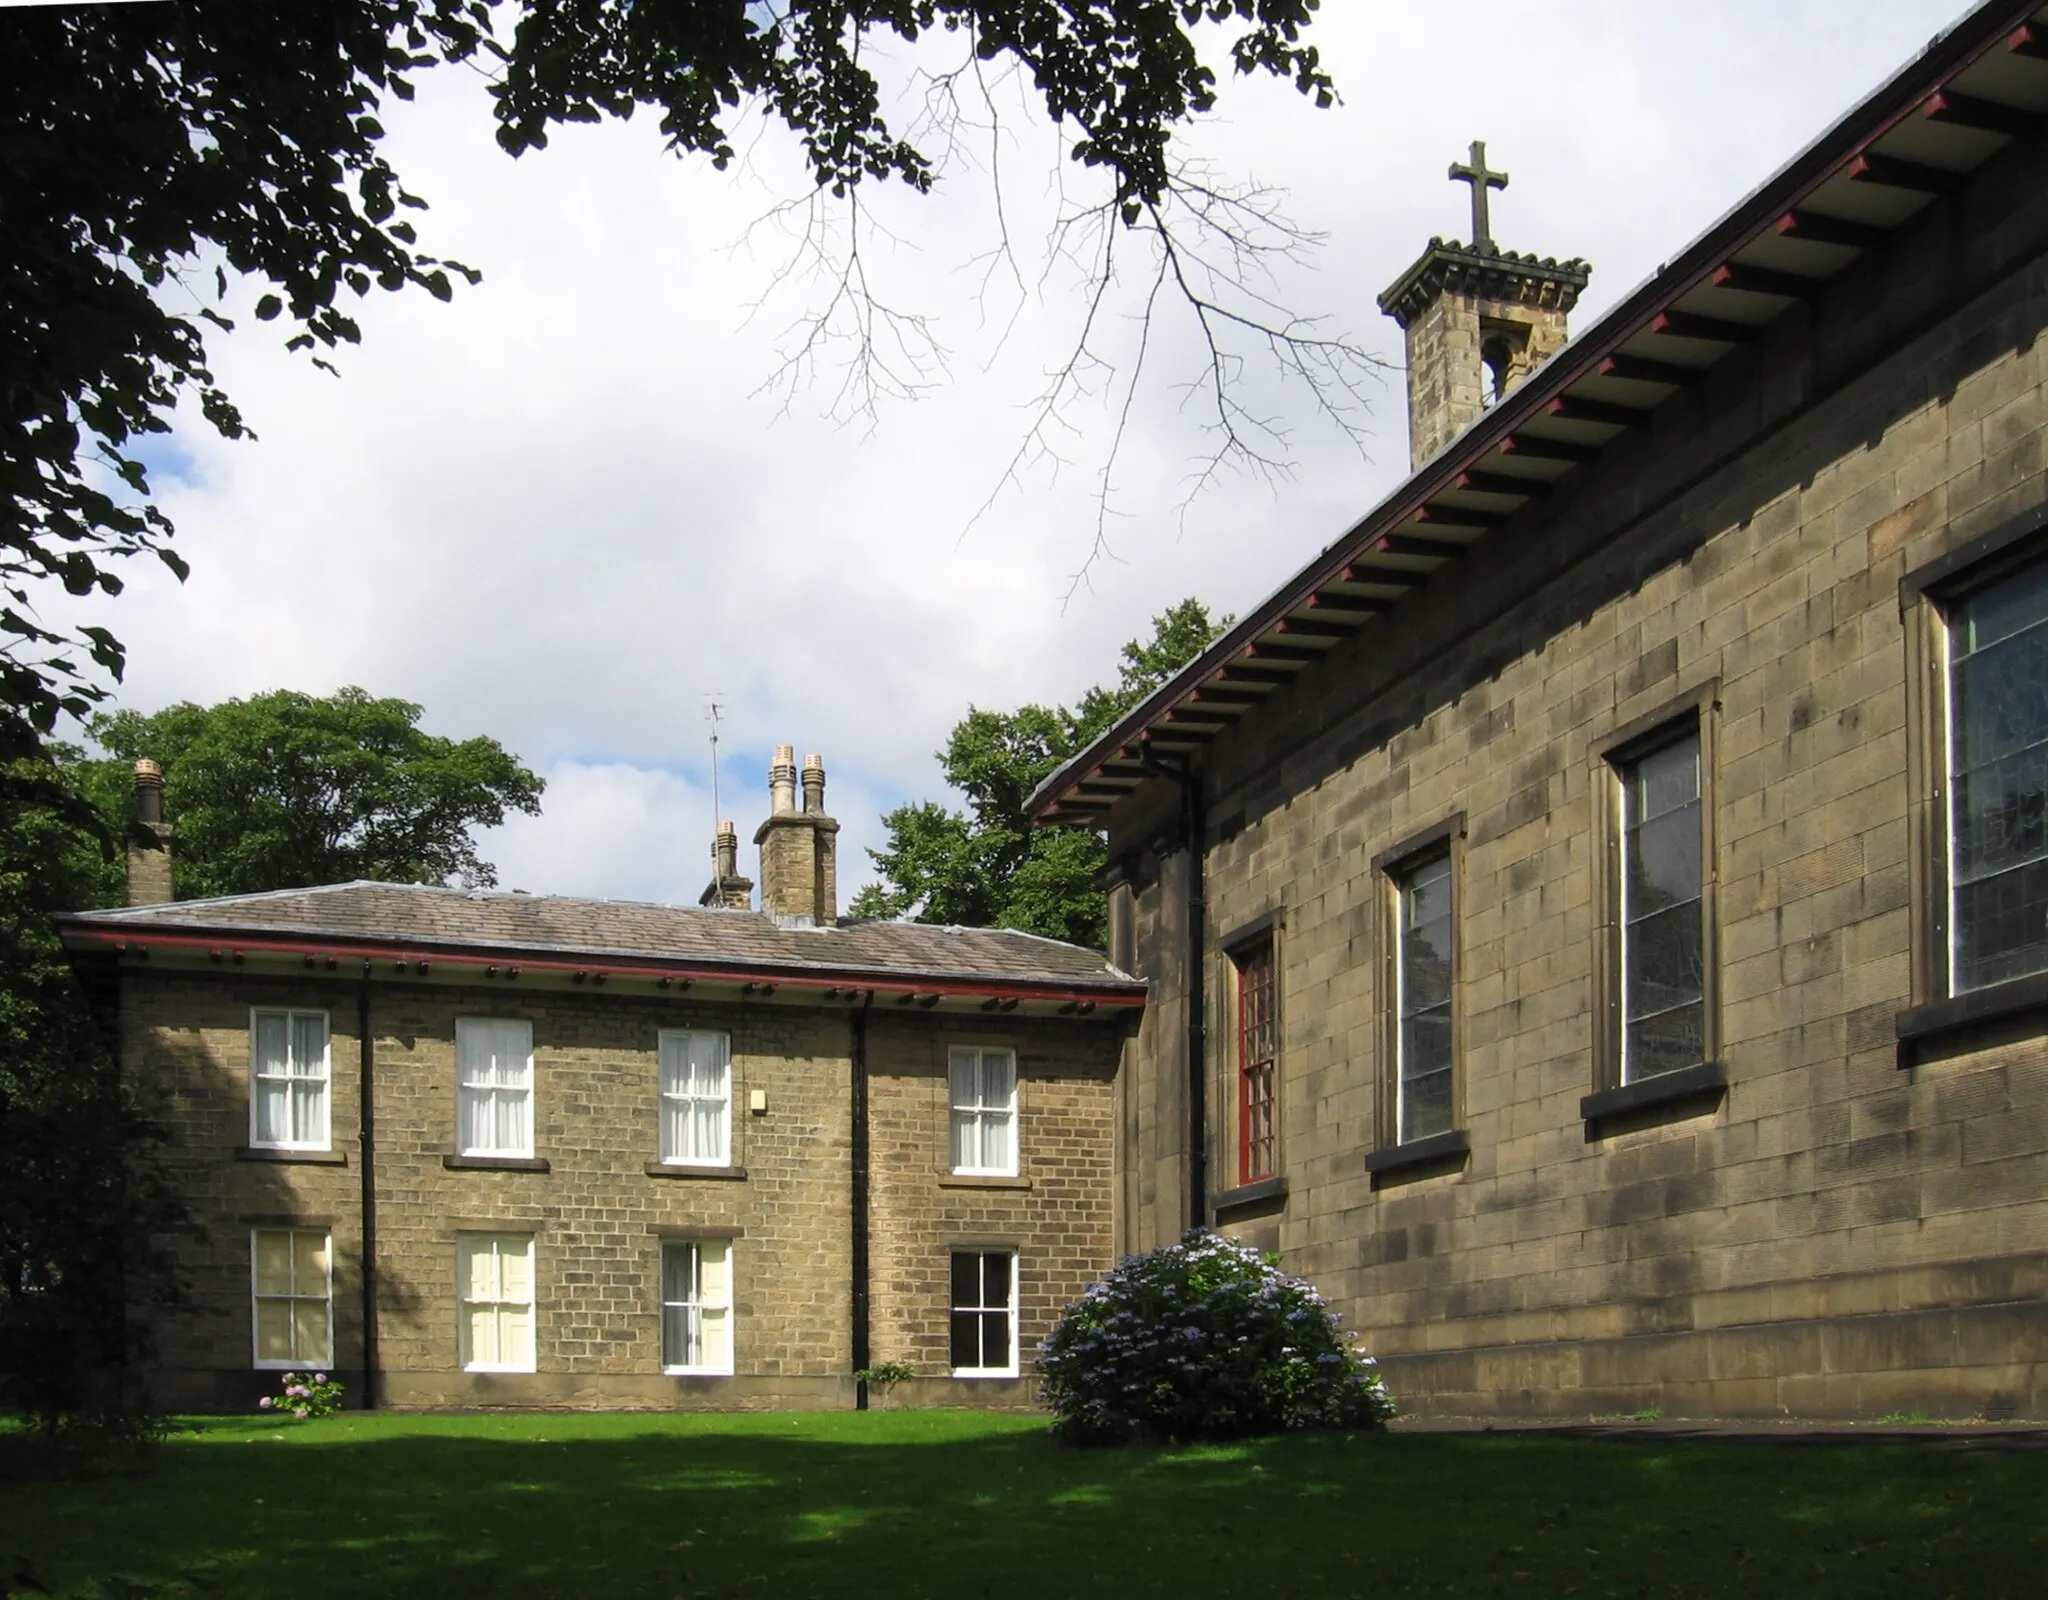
x=687, y=934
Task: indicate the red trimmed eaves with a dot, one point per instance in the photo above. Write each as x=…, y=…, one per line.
x=1431, y=516
x=231, y=946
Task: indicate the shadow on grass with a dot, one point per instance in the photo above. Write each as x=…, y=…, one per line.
x=953, y=1504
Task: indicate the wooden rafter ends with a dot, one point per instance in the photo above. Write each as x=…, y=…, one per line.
x=1608, y=413
x=1641, y=369
x=1766, y=280
x=1986, y=116
x=1890, y=172
x=1502, y=483
x=1814, y=227
x=1692, y=325
x=1529, y=448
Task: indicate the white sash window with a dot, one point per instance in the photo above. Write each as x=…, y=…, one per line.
x=288, y=1073
x=696, y=1098
x=696, y=1306
x=984, y=1096
x=494, y=1093
x=292, y=1294
x=494, y=1277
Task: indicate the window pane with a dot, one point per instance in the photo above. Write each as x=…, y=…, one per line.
x=309, y=1112
x=480, y=1336
x=1426, y=1105
x=2002, y=926
x=274, y=1331
x=1664, y=861
x=1663, y=780
x=273, y=1262
x=964, y=1071
x=309, y=1043
x=995, y=1278
x=515, y=1271
x=309, y=1321
x=995, y=1141
x=273, y=1111
x=715, y=1339
x=1665, y=963
x=679, y=1273
x=510, y=1135
x=714, y=1274
x=966, y=1341
x=995, y=1339
x=2001, y=689
x=477, y=1269
x=2000, y=812
x=966, y=1278
x=1665, y=1042
x=309, y=1263
x=270, y=1049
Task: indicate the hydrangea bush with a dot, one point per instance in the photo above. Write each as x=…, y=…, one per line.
x=306, y=1394
x=1205, y=1339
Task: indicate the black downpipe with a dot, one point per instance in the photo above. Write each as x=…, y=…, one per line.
x=366, y=1136
x=1198, y=1005
x=862, y=1354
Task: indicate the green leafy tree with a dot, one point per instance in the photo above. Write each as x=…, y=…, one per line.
x=147, y=152
x=986, y=866
x=283, y=790
x=84, y=1206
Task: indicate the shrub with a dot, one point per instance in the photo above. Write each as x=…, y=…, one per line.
x=1205, y=1339
x=306, y=1394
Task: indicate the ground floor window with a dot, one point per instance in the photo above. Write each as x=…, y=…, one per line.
x=292, y=1287
x=696, y=1306
x=494, y=1274
x=984, y=1315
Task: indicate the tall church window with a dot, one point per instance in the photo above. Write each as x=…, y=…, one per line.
x=1258, y=1052
x=1998, y=782
x=1423, y=955
x=1661, y=917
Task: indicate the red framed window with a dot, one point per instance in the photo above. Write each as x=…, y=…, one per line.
x=1258, y=1050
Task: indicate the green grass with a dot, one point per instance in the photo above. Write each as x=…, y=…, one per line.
x=923, y=1503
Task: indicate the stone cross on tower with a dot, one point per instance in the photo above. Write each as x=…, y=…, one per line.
x=1481, y=180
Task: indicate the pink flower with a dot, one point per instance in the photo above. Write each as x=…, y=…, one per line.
x=319, y=1377
x=265, y=1403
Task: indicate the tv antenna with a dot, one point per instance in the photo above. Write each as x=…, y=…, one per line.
x=714, y=709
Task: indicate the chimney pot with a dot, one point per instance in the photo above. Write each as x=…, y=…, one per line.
x=814, y=786
x=149, y=843
x=782, y=781
x=799, y=874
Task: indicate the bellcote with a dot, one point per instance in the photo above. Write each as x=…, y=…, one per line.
x=1478, y=319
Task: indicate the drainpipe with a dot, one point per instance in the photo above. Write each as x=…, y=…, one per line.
x=862, y=1353
x=1197, y=913
x=366, y=1137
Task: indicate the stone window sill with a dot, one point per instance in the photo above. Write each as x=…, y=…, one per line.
x=1709, y=1078
x=983, y=1180
x=1453, y=1145
x=1248, y=1195
x=1940, y=1020
x=293, y=1158
x=679, y=1169
x=495, y=1163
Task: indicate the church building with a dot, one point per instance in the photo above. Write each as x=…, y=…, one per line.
x=1596, y=911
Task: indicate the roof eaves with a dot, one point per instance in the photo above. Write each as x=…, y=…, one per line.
x=1947, y=54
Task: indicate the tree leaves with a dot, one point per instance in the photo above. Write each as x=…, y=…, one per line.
x=988, y=866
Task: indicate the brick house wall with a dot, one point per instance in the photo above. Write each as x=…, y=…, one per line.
x=1832, y=1236
x=598, y=1217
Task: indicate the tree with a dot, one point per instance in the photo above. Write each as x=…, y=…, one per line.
x=284, y=790
x=987, y=866
x=153, y=150
x=85, y=1209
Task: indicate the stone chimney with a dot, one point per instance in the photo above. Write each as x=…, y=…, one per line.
x=799, y=849
x=1478, y=319
x=727, y=891
x=149, y=841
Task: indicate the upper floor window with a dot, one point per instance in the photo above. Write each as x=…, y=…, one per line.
x=696, y=1098
x=292, y=1297
x=288, y=1080
x=1998, y=782
x=1258, y=1055
x=1662, y=910
x=984, y=1121
x=1423, y=958
x=494, y=1087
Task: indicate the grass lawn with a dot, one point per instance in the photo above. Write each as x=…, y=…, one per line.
x=928, y=1503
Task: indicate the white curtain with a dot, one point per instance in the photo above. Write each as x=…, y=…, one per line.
x=984, y=1096
x=696, y=1098
x=494, y=1068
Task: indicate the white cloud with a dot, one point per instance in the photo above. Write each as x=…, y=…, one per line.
x=559, y=510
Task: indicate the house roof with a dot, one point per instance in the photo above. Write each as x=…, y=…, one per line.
x=604, y=938
x=1969, y=94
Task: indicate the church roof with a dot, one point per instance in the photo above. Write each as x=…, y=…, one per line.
x=1965, y=98
x=457, y=929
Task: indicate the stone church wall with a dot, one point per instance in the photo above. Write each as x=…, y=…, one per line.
x=1835, y=1235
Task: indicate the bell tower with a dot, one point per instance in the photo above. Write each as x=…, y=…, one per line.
x=1478, y=319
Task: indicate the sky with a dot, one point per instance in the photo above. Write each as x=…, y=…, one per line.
x=573, y=505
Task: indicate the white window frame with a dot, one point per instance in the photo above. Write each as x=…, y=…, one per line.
x=297, y=1077
x=705, y=1305
x=465, y=1091
x=499, y=1243
x=292, y=1297
x=1012, y=1369
x=978, y=1113
x=664, y=1098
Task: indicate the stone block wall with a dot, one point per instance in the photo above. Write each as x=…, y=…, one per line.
x=1836, y=1234
x=598, y=1217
